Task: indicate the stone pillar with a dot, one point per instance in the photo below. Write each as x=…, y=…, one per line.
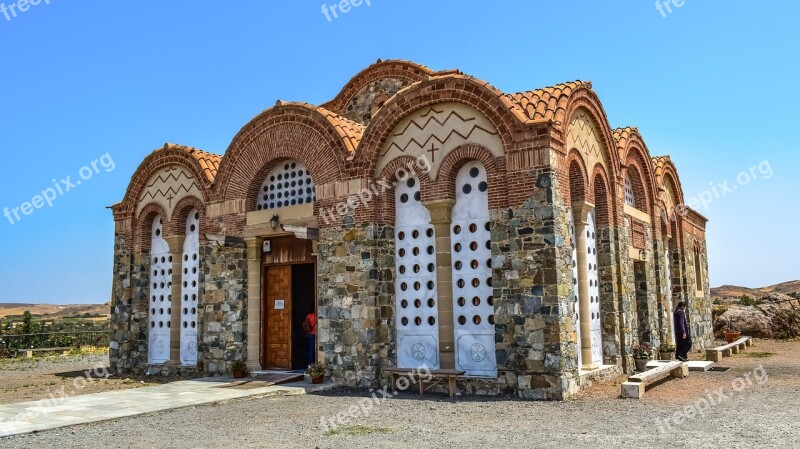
x=175, y=243
x=254, y=302
x=440, y=219
x=581, y=210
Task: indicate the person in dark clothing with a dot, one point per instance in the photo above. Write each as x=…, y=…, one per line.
x=684, y=338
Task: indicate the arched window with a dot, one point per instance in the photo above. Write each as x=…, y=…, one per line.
x=630, y=198
x=288, y=184
x=160, y=310
x=190, y=279
x=415, y=280
x=473, y=303
x=698, y=269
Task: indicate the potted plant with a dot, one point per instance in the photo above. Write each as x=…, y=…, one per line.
x=732, y=335
x=239, y=369
x=641, y=355
x=316, y=372
x=666, y=351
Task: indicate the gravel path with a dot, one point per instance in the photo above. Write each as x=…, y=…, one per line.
x=763, y=414
x=34, y=379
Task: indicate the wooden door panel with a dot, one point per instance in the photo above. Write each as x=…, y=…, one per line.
x=278, y=318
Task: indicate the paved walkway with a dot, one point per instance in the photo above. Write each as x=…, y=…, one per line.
x=46, y=414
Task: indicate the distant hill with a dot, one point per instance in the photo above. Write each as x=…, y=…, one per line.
x=53, y=310
x=734, y=291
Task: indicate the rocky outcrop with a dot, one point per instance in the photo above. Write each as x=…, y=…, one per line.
x=773, y=316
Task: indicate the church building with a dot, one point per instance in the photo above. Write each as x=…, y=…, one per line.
x=424, y=218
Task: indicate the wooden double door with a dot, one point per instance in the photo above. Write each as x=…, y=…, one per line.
x=288, y=297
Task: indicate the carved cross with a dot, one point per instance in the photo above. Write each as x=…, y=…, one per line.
x=433, y=151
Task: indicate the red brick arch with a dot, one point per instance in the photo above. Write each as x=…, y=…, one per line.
x=144, y=222
x=443, y=89
x=405, y=70
x=292, y=131
x=603, y=198
x=180, y=215
x=585, y=98
x=158, y=160
x=495, y=174
x=385, y=202
x=576, y=184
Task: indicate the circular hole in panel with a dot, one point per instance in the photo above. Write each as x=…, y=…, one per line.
x=411, y=183
x=462, y=320
x=404, y=304
x=401, y=235
x=462, y=302
x=415, y=234
x=431, y=303
x=431, y=268
x=457, y=247
x=461, y=283
x=185, y=324
x=431, y=285
x=483, y=186
x=476, y=301
x=417, y=286
x=458, y=265
x=416, y=268
x=404, y=198
x=476, y=320
x=491, y=319
x=404, y=321
x=417, y=196
x=474, y=172
x=418, y=321
x=403, y=286
x=476, y=283
x=474, y=264
x=473, y=227
x=473, y=246
x=431, y=320
x=466, y=189
x=417, y=303
x=489, y=281
x=456, y=229
x=402, y=269
x=430, y=249
x=490, y=300
x=401, y=252
x=415, y=251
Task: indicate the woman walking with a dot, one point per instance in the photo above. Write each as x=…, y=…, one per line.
x=684, y=338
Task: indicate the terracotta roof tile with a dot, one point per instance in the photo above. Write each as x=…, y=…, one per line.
x=209, y=162
x=548, y=103
x=349, y=131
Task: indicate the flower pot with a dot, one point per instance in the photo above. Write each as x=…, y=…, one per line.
x=318, y=379
x=665, y=355
x=239, y=374
x=731, y=336
x=641, y=364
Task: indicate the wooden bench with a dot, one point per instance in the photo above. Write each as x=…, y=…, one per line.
x=716, y=354
x=29, y=352
x=634, y=388
x=419, y=377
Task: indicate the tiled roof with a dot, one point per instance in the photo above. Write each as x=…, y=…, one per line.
x=622, y=135
x=209, y=162
x=349, y=131
x=548, y=103
x=659, y=162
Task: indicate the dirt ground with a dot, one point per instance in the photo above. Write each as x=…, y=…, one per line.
x=23, y=380
x=752, y=405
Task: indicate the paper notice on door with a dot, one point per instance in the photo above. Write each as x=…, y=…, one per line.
x=279, y=304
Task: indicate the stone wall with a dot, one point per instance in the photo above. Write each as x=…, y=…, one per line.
x=699, y=302
x=222, y=314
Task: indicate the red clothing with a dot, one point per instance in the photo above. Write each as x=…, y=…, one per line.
x=311, y=323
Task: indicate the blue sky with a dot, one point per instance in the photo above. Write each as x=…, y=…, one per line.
x=711, y=84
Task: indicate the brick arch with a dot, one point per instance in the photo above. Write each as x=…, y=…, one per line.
x=444, y=89
x=576, y=185
x=405, y=70
x=385, y=210
x=152, y=163
x=285, y=132
x=585, y=98
x=495, y=174
x=180, y=214
x=144, y=222
x=665, y=170
x=640, y=193
x=604, y=203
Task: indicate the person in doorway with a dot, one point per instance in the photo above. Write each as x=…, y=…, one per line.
x=684, y=338
x=310, y=327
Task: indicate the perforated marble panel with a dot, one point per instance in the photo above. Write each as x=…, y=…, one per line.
x=416, y=305
x=670, y=309
x=630, y=199
x=576, y=324
x=473, y=303
x=288, y=184
x=595, y=319
x=190, y=278
x=160, y=310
